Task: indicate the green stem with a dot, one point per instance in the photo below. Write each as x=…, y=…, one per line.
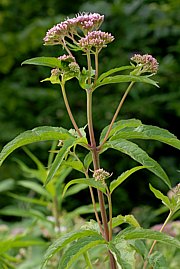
x=116, y=113
x=110, y=213
x=155, y=241
x=87, y=259
x=69, y=110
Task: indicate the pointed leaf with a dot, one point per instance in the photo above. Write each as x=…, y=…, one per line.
x=138, y=155
x=117, y=126
x=78, y=247
x=112, y=71
x=88, y=181
x=35, y=135
x=64, y=240
x=35, y=187
x=59, y=158
x=115, y=183
x=126, y=78
x=44, y=61
x=140, y=233
x=165, y=200
x=130, y=219
x=148, y=132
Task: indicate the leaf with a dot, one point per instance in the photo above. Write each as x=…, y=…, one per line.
x=138, y=155
x=157, y=261
x=123, y=253
x=44, y=61
x=75, y=189
x=130, y=219
x=126, y=78
x=78, y=247
x=88, y=181
x=59, y=158
x=148, y=132
x=140, y=233
x=7, y=184
x=165, y=200
x=115, y=183
x=85, y=209
x=64, y=240
x=35, y=135
x=112, y=71
x=35, y=187
x=28, y=200
x=88, y=160
x=117, y=126
x=14, y=211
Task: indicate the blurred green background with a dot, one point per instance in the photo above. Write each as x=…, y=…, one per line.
x=139, y=26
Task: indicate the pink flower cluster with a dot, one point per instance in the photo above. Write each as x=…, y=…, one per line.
x=66, y=58
x=100, y=174
x=96, y=39
x=85, y=22
x=148, y=63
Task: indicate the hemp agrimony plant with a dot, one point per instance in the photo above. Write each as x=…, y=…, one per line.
x=81, y=34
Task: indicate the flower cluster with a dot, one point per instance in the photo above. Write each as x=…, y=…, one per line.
x=146, y=62
x=85, y=22
x=100, y=174
x=97, y=39
x=175, y=192
x=66, y=58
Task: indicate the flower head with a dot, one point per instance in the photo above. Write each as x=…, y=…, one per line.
x=97, y=39
x=66, y=58
x=147, y=62
x=100, y=174
x=85, y=22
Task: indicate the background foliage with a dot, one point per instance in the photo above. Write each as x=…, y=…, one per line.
x=139, y=26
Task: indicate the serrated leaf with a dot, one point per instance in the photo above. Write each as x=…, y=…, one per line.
x=139, y=155
x=126, y=78
x=115, y=183
x=44, y=61
x=35, y=135
x=59, y=158
x=140, y=233
x=123, y=253
x=77, y=248
x=117, y=126
x=88, y=181
x=130, y=219
x=165, y=200
x=64, y=240
x=112, y=71
x=148, y=132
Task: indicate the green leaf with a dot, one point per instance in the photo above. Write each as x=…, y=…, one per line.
x=130, y=219
x=85, y=209
x=126, y=78
x=138, y=155
x=123, y=253
x=115, y=183
x=36, y=135
x=64, y=240
x=88, y=160
x=79, y=247
x=75, y=189
x=157, y=261
x=44, y=61
x=117, y=126
x=165, y=200
x=112, y=71
x=28, y=200
x=59, y=158
x=7, y=184
x=14, y=211
x=140, y=233
x=148, y=132
x=88, y=181
x=35, y=187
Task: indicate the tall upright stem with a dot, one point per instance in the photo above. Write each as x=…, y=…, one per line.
x=69, y=110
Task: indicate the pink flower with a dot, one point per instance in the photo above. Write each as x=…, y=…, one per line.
x=148, y=63
x=96, y=39
x=89, y=21
x=100, y=174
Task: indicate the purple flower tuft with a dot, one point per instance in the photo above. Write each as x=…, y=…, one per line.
x=148, y=63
